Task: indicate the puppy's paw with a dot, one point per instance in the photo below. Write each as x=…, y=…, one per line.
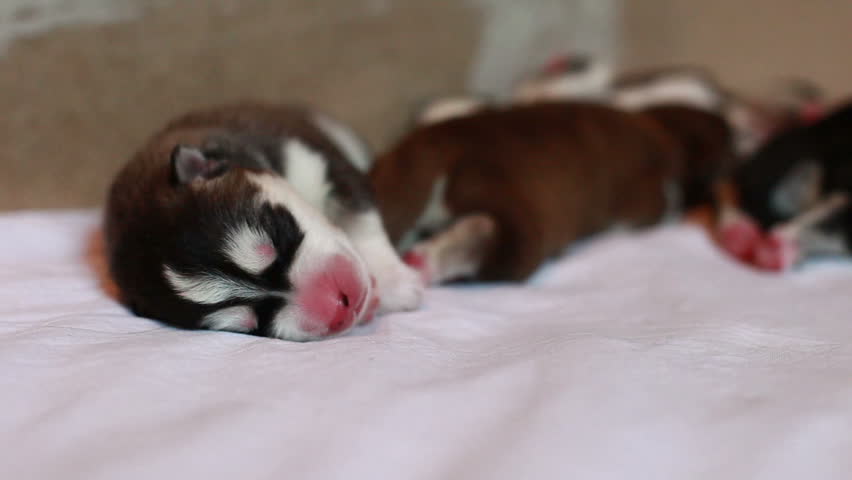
x=400, y=288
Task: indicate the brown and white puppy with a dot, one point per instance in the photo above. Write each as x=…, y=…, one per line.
x=493, y=194
x=253, y=218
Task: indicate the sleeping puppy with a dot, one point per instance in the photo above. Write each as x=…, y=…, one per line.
x=493, y=194
x=253, y=218
x=796, y=190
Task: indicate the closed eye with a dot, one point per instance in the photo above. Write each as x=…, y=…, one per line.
x=286, y=237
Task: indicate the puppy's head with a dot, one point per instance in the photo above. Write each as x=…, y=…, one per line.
x=780, y=207
x=199, y=239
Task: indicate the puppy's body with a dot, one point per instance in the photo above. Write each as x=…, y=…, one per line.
x=507, y=188
x=253, y=218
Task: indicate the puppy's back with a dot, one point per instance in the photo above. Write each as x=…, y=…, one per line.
x=547, y=173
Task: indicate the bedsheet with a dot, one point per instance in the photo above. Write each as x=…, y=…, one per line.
x=639, y=355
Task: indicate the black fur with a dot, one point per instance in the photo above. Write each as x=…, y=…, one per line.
x=155, y=217
x=828, y=144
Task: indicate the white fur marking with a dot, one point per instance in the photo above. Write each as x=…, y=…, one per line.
x=322, y=241
x=813, y=216
x=457, y=251
x=400, y=287
x=346, y=140
x=306, y=170
x=243, y=247
x=803, y=231
x=232, y=319
x=449, y=108
x=679, y=88
x=208, y=289
x=287, y=325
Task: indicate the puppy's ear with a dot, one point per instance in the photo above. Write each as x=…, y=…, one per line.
x=189, y=164
x=799, y=189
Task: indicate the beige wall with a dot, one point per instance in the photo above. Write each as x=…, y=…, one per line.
x=76, y=101
x=94, y=77
x=77, y=98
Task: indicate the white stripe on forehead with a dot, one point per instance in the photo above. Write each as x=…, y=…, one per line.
x=276, y=190
x=346, y=140
x=209, y=289
x=321, y=235
x=322, y=238
x=322, y=241
x=232, y=319
x=307, y=172
x=250, y=249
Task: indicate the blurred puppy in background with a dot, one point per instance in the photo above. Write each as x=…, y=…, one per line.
x=789, y=201
x=786, y=202
x=493, y=193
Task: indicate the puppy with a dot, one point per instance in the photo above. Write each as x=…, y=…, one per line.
x=790, y=200
x=493, y=194
x=253, y=218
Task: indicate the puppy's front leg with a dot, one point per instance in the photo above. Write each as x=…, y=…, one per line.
x=400, y=287
x=456, y=252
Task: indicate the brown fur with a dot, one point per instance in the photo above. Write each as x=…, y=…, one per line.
x=705, y=141
x=548, y=174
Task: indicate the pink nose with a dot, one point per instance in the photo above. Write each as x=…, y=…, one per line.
x=343, y=316
x=776, y=253
x=332, y=298
x=744, y=240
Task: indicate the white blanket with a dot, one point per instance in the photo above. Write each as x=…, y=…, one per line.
x=638, y=356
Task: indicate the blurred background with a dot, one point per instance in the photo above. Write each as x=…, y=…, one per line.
x=84, y=82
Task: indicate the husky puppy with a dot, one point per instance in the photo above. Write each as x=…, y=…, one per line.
x=790, y=200
x=253, y=218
